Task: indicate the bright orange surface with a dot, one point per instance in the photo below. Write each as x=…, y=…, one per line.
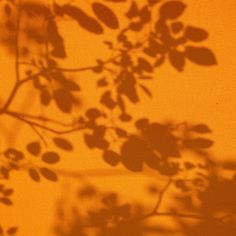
x=205, y=94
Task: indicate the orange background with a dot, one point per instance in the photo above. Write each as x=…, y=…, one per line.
x=199, y=94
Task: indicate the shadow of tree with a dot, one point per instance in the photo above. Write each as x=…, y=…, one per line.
x=105, y=215
x=31, y=33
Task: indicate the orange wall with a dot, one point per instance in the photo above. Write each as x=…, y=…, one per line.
x=198, y=94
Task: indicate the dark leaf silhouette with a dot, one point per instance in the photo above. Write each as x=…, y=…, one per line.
x=34, y=148
x=189, y=165
x=59, y=10
x=145, y=15
x=200, y=55
x=107, y=100
x=219, y=195
x=121, y=103
x=102, y=82
x=12, y=230
x=35, y=35
x=106, y=15
x=97, y=138
x=201, y=128
x=195, y=34
x=5, y=172
x=93, y=113
x=177, y=27
x=125, y=117
x=8, y=192
x=133, y=10
x=177, y=59
x=229, y=165
x=56, y=40
x=64, y=100
x=121, y=133
x=153, y=2
x=160, y=139
x=111, y=157
x=34, y=175
x=153, y=48
x=85, y=21
x=198, y=143
x=14, y=154
x=90, y=142
x=87, y=191
x=35, y=9
x=63, y=144
x=128, y=88
x=66, y=83
x=48, y=174
x=6, y=201
x=136, y=26
x=172, y=9
x=50, y=157
x=133, y=153
x=45, y=97
x=8, y=10
x=69, y=85
x=142, y=124
x=144, y=65
x=181, y=185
